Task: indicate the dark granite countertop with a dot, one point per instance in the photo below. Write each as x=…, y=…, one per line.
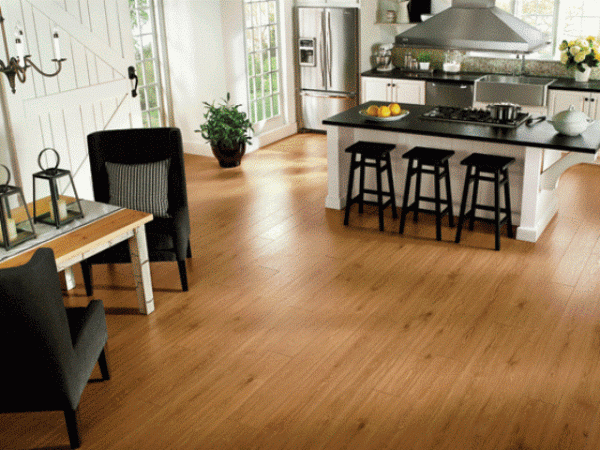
x=567, y=84
x=541, y=135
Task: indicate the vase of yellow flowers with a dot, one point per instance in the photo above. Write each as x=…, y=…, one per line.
x=580, y=54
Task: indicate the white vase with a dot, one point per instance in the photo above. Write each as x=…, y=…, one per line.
x=583, y=76
x=403, y=12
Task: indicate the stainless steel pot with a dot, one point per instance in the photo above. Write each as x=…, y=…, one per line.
x=504, y=111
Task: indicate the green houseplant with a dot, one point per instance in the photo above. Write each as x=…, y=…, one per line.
x=424, y=60
x=227, y=130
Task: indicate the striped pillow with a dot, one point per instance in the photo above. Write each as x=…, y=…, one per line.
x=143, y=187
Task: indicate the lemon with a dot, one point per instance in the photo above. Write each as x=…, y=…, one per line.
x=384, y=111
x=395, y=109
x=373, y=110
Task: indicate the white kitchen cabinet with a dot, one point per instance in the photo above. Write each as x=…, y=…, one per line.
x=587, y=102
x=392, y=90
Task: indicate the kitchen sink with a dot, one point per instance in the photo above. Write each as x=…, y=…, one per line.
x=522, y=90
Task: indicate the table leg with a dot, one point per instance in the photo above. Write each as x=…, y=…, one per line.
x=141, y=270
x=69, y=278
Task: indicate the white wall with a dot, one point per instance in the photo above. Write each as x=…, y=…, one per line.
x=205, y=43
x=197, y=64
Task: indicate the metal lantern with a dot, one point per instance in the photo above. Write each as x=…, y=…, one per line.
x=52, y=207
x=16, y=225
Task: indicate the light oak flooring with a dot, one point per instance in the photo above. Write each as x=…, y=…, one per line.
x=300, y=333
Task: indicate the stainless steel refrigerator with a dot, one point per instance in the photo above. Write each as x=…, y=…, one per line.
x=328, y=62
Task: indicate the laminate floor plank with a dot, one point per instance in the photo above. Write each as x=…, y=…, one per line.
x=301, y=333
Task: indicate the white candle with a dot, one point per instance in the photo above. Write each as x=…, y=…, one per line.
x=62, y=209
x=56, y=43
x=11, y=228
x=20, y=42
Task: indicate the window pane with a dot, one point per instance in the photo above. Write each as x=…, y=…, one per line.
x=257, y=64
x=266, y=85
x=249, y=41
x=268, y=113
x=274, y=60
x=264, y=13
x=142, y=95
x=273, y=36
x=266, y=65
x=276, y=105
x=151, y=97
x=274, y=82
x=154, y=119
x=248, y=14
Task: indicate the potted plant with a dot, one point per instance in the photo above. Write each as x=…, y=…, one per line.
x=226, y=129
x=581, y=54
x=424, y=61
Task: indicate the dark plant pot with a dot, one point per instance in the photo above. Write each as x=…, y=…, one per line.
x=229, y=157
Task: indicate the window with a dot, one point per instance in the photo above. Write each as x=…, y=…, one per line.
x=263, y=58
x=143, y=22
x=559, y=19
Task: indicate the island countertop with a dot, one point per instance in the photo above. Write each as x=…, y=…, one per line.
x=541, y=156
x=540, y=135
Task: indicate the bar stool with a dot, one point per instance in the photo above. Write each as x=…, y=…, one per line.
x=371, y=154
x=478, y=163
x=438, y=160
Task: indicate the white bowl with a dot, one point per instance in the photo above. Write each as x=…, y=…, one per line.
x=571, y=122
x=451, y=67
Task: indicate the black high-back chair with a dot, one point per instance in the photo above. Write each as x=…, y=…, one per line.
x=143, y=169
x=48, y=352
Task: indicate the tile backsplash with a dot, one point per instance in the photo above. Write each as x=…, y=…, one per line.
x=492, y=65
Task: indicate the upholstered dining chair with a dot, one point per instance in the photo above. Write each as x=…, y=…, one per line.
x=143, y=169
x=48, y=351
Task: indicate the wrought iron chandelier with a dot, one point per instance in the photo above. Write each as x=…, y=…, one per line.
x=16, y=67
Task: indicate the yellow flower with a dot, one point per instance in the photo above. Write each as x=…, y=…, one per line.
x=583, y=43
x=575, y=50
x=564, y=57
x=563, y=46
x=597, y=54
x=580, y=57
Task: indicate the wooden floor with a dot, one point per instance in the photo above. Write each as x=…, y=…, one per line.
x=300, y=333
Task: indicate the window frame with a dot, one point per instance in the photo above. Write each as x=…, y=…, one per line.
x=558, y=25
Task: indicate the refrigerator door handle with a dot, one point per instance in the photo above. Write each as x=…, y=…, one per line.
x=329, y=48
x=323, y=51
x=327, y=95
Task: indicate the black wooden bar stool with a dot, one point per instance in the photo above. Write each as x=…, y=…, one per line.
x=478, y=163
x=371, y=154
x=438, y=160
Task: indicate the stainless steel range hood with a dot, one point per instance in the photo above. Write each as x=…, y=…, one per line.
x=474, y=25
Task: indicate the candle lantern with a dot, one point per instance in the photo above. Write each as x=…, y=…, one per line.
x=55, y=199
x=16, y=225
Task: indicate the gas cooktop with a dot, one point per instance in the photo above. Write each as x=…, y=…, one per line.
x=472, y=116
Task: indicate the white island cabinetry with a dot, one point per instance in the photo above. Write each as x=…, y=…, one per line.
x=561, y=100
x=392, y=90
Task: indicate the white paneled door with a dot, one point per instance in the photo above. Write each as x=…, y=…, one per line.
x=92, y=92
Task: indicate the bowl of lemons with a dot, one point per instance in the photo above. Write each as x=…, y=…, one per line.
x=384, y=113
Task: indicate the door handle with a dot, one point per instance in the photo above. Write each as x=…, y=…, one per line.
x=132, y=76
x=330, y=47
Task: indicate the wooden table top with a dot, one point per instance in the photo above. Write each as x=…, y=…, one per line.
x=81, y=240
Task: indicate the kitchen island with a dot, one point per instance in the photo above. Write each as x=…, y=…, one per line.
x=541, y=154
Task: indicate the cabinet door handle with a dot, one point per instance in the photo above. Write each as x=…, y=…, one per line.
x=592, y=99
